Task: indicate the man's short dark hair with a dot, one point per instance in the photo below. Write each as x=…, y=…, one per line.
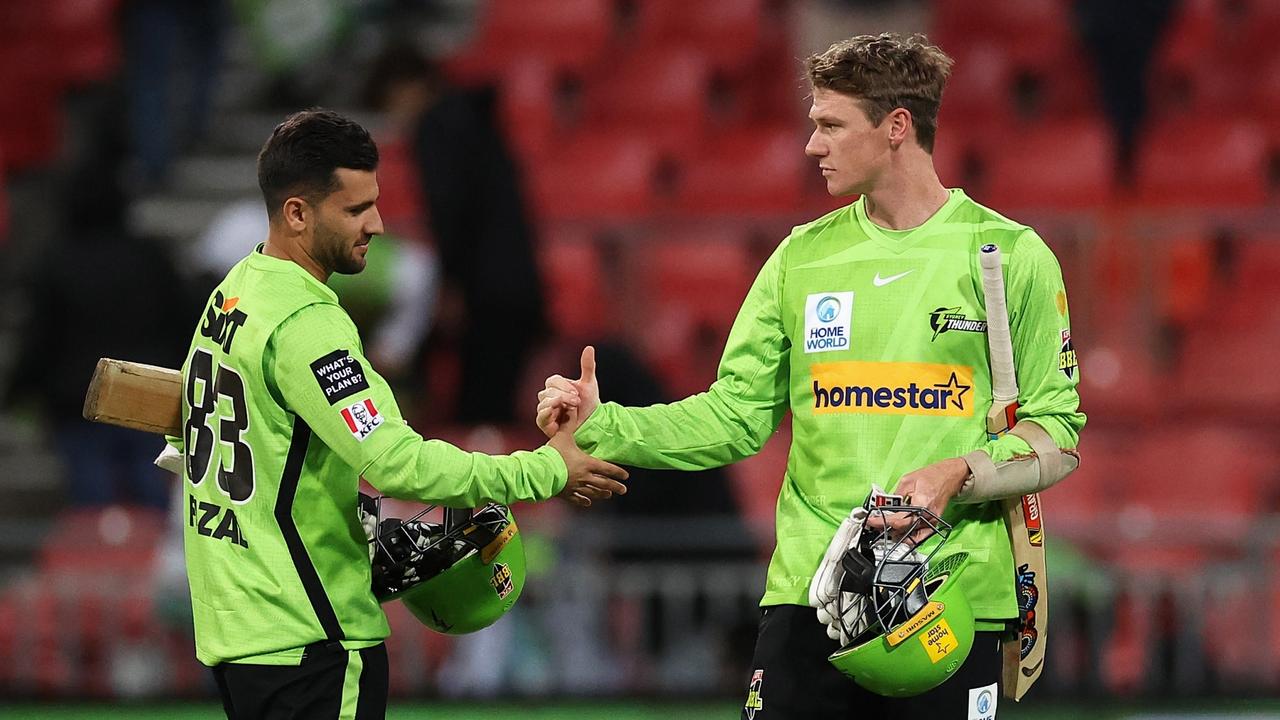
x=303, y=151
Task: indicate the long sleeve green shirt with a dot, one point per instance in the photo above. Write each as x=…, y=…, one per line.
x=282, y=416
x=875, y=341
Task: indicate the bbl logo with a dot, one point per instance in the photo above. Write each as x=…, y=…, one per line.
x=948, y=319
x=501, y=580
x=1067, y=356
x=755, y=701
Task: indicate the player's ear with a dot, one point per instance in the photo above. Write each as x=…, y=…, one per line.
x=296, y=214
x=900, y=124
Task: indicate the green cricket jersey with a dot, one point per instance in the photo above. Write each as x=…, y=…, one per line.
x=282, y=414
x=875, y=340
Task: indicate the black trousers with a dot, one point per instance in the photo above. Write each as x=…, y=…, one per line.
x=792, y=679
x=331, y=683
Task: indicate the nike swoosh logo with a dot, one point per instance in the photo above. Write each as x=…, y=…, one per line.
x=881, y=282
x=1028, y=672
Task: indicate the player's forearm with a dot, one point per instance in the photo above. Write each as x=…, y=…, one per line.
x=700, y=432
x=435, y=471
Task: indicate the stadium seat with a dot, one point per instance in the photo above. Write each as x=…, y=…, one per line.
x=980, y=89
x=115, y=541
x=85, y=33
x=1227, y=372
x=706, y=271
x=728, y=32
x=529, y=109
x=30, y=116
x=659, y=93
x=604, y=175
x=1024, y=27
x=692, y=282
x=574, y=277
x=749, y=170
x=1202, y=161
x=565, y=34
x=1066, y=164
x=1215, y=474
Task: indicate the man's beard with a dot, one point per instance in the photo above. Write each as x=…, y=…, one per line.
x=336, y=255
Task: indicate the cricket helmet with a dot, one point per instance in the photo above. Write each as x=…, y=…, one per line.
x=915, y=626
x=456, y=577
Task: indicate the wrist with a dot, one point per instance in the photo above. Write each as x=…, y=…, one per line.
x=957, y=472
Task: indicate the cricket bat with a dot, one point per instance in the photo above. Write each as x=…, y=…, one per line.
x=1024, y=654
x=134, y=395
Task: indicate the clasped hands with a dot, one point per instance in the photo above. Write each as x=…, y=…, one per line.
x=563, y=405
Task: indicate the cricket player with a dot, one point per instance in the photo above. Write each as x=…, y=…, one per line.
x=282, y=414
x=868, y=325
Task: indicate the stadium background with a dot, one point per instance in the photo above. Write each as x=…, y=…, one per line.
x=660, y=146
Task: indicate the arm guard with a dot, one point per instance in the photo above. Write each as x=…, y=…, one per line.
x=1021, y=475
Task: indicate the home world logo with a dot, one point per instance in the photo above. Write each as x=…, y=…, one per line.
x=828, y=318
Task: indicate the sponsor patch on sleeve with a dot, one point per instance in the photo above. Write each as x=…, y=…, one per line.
x=340, y=376
x=362, y=419
x=1067, y=357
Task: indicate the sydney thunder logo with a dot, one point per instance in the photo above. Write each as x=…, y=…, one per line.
x=948, y=319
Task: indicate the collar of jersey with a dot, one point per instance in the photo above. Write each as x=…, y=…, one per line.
x=898, y=241
x=264, y=262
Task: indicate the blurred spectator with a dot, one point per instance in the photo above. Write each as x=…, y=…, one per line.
x=1122, y=37
x=170, y=46
x=493, y=310
x=395, y=296
x=99, y=291
x=296, y=44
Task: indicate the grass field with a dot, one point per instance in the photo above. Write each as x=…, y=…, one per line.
x=1257, y=710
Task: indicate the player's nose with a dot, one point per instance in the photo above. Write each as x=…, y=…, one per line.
x=374, y=226
x=814, y=148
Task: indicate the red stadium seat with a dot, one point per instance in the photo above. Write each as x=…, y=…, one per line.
x=85, y=31
x=1214, y=474
x=1212, y=54
x=693, y=282
x=1023, y=27
x=30, y=116
x=601, y=175
x=1065, y=164
x=1203, y=161
x=707, y=272
x=729, y=32
x=574, y=276
x=660, y=93
x=123, y=542
x=751, y=170
x=529, y=109
x=565, y=34
x=980, y=89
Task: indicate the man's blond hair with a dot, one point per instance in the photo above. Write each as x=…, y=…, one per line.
x=885, y=72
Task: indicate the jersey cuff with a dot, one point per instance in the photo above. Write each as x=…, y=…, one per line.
x=590, y=432
x=557, y=463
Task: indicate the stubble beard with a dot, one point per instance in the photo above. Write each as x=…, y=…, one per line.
x=338, y=254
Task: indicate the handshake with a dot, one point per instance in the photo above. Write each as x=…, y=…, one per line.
x=563, y=405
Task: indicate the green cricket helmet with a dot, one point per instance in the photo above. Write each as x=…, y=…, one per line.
x=456, y=577
x=916, y=624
